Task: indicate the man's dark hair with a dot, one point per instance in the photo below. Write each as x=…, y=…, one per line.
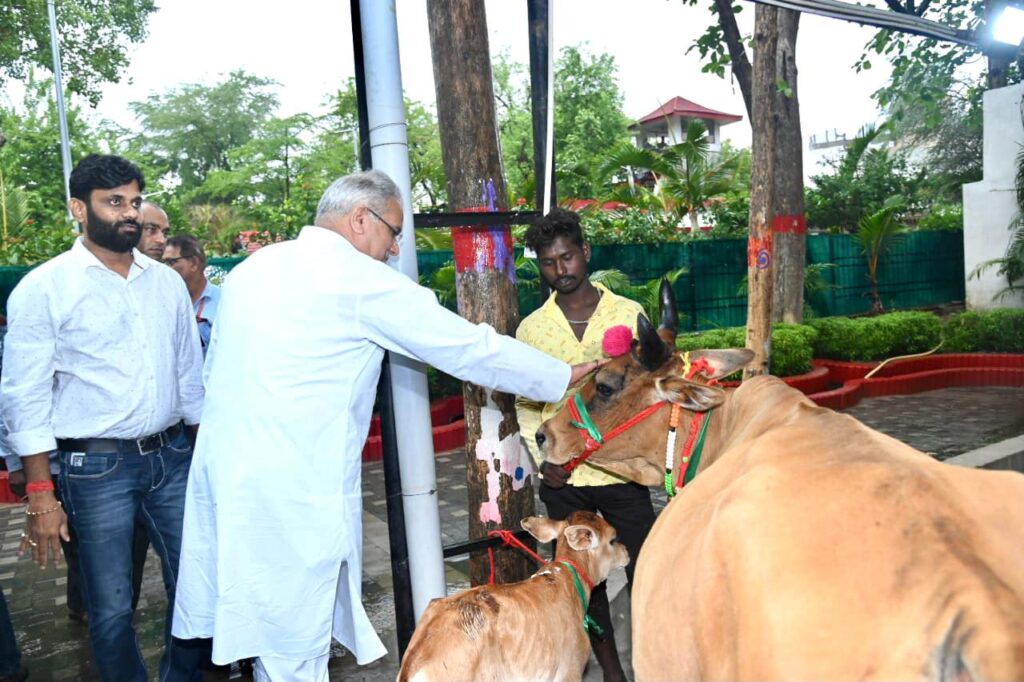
x=189, y=247
x=102, y=171
x=546, y=229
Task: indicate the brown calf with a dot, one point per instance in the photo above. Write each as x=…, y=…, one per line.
x=530, y=630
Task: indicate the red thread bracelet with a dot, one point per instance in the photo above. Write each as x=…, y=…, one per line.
x=39, y=487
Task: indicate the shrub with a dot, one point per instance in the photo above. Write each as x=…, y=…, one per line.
x=876, y=338
x=994, y=331
x=792, y=345
x=943, y=217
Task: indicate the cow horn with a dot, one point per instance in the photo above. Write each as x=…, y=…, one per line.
x=669, y=315
x=652, y=351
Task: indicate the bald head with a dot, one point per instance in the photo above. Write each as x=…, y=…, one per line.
x=155, y=229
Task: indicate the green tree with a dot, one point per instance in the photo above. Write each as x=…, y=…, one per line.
x=683, y=177
x=515, y=127
x=876, y=234
x=263, y=169
x=588, y=116
x=94, y=37
x=588, y=122
x=863, y=180
x=31, y=157
x=192, y=130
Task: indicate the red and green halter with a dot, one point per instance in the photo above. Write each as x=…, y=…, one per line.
x=594, y=440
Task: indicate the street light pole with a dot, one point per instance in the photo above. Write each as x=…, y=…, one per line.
x=58, y=85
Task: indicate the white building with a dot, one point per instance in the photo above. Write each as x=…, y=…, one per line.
x=667, y=124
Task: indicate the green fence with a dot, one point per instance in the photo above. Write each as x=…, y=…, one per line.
x=925, y=269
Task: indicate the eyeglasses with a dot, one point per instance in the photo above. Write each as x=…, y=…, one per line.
x=396, y=232
x=172, y=261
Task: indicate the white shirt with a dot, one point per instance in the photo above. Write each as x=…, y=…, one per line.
x=91, y=354
x=271, y=557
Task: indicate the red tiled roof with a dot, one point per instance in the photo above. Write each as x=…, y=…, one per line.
x=678, y=106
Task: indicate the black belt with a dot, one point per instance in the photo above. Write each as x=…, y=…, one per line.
x=132, y=446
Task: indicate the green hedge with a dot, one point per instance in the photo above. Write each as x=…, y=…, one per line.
x=994, y=331
x=876, y=338
x=792, y=345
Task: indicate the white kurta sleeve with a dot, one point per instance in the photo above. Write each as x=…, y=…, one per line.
x=401, y=316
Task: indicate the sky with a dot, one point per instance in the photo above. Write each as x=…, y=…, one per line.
x=305, y=45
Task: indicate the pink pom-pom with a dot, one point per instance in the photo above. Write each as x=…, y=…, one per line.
x=617, y=340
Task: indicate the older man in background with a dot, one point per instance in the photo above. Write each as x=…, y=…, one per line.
x=156, y=227
x=272, y=557
x=185, y=254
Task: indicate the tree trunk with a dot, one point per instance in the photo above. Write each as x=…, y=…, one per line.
x=760, y=254
x=497, y=471
x=789, y=223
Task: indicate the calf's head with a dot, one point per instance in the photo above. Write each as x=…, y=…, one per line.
x=652, y=372
x=583, y=537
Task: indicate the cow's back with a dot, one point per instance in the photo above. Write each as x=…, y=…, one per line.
x=531, y=630
x=821, y=549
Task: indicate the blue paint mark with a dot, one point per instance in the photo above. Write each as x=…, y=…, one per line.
x=519, y=473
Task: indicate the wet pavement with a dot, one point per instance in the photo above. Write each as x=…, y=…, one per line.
x=945, y=423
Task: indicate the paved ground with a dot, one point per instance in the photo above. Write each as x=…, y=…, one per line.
x=946, y=422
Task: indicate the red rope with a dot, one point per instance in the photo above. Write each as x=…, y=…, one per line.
x=688, y=448
x=510, y=539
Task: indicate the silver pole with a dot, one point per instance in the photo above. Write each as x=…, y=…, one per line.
x=389, y=148
x=58, y=86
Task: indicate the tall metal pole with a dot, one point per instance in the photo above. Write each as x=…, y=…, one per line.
x=58, y=86
x=538, y=13
x=389, y=150
x=398, y=545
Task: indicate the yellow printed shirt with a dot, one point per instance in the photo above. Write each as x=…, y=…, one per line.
x=546, y=329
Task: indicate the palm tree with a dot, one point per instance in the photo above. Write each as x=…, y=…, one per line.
x=645, y=293
x=684, y=175
x=876, y=234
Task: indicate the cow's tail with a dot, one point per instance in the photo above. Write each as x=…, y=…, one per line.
x=966, y=655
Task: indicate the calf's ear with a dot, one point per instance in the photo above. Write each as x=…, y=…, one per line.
x=689, y=395
x=544, y=529
x=581, y=538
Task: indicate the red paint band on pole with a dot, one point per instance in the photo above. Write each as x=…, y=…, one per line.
x=482, y=247
x=790, y=224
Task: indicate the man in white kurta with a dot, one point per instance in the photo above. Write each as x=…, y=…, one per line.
x=272, y=552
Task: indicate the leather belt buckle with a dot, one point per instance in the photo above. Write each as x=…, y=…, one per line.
x=152, y=443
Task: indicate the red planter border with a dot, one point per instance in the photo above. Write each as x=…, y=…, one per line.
x=449, y=429
x=915, y=375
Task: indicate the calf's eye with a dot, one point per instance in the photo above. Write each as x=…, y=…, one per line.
x=604, y=390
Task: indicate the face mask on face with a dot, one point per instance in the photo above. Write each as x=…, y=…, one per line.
x=109, y=235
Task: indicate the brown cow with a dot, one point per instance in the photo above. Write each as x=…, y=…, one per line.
x=530, y=630
x=809, y=547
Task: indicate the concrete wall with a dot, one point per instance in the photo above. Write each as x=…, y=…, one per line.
x=990, y=205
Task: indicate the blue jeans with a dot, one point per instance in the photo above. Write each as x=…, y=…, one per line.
x=10, y=655
x=104, y=494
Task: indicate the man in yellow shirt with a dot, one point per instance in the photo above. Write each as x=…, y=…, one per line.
x=570, y=326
